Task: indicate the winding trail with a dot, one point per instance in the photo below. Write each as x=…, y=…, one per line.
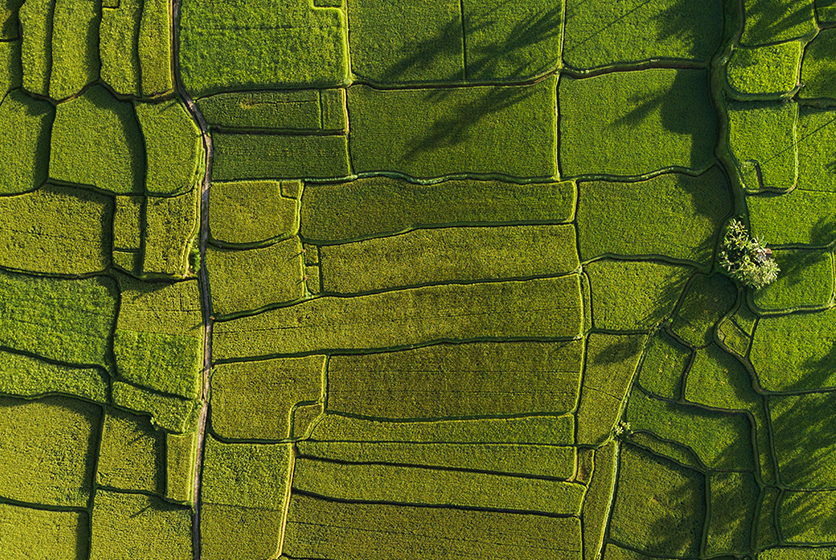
x=203, y=275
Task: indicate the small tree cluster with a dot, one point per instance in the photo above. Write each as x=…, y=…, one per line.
x=747, y=260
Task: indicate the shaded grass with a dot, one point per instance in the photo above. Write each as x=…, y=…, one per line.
x=762, y=141
x=806, y=280
x=663, y=366
x=816, y=155
x=249, y=212
x=799, y=217
x=732, y=498
x=25, y=376
x=706, y=301
x=805, y=439
x=771, y=21
x=765, y=527
x=807, y=517
x=24, y=141
x=168, y=412
x=132, y=454
x=11, y=70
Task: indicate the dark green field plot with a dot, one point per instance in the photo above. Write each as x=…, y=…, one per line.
x=732, y=498
x=806, y=281
x=11, y=73
x=762, y=143
x=816, y=159
x=36, y=44
x=24, y=142
x=56, y=230
x=662, y=367
x=798, y=552
x=531, y=460
x=817, y=70
x=634, y=295
x=269, y=156
x=797, y=218
x=771, y=70
x=771, y=21
x=805, y=439
x=414, y=485
x=318, y=528
x=64, y=320
x=673, y=215
x=381, y=205
x=254, y=400
x=706, y=301
x=306, y=110
x=806, y=517
x=508, y=130
x=501, y=310
x=251, y=45
x=167, y=412
x=43, y=535
x=48, y=450
x=255, y=278
x=251, y=212
x=659, y=506
x=613, y=32
x=794, y=352
x=26, y=376
x=132, y=454
x=96, y=141
x=633, y=123
x=431, y=256
x=493, y=379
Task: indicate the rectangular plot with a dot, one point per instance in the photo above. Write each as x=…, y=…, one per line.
x=432, y=133
x=416, y=485
x=265, y=156
x=771, y=70
x=29, y=377
x=598, y=500
x=449, y=254
x=36, y=18
x=168, y=412
x=532, y=460
x=732, y=498
x=807, y=517
x=154, y=48
x=25, y=125
x=132, y=454
x=547, y=309
x=232, y=532
x=805, y=439
x=478, y=379
x=118, y=36
x=11, y=72
x=319, y=528
x=382, y=205
x=806, y=280
x=180, y=456
x=798, y=217
x=37, y=534
x=772, y=21
x=171, y=225
x=75, y=50
x=816, y=135
x=245, y=213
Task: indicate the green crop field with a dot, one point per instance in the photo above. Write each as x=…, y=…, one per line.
x=423, y=279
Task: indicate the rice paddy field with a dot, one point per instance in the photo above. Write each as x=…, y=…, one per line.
x=416, y=280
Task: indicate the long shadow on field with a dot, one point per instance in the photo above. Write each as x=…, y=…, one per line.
x=767, y=19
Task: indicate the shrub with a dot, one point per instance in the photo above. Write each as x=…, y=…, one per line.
x=747, y=260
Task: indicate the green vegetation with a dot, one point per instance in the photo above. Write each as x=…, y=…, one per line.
x=169, y=308
x=251, y=212
x=307, y=110
x=826, y=11
x=816, y=133
x=37, y=534
x=598, y=499
x=254, y=400
x=127, y=233
x=798, y=553
x=269, y=156
x=806, y=517
x=154, y=48
x=676, y=452
x=163, y=362
x=75, y=48
x=181, y=454
x=382, y=205
x=496, y=310
x=732, y=498
x=232, y=533
x=663, y=366
x=800, y=217
x=318, y=528
x=762, y=143
x=9, y=20
x=96, y=142
x=11, y=72
x=634, y=295
x=806, y=280
x=747, y=260
x=132, y=454
x=659, y=506
x=706, y=301
x=248, y=280
x=766, y=528
x=173, y=146
x=492, y=379
x=127, y=526
x=507, y=130
x=171, y=225
x=170, y=413
x=56, y=230
x=24, y=376
x=788, y=355
x=672, y=214
x=612, y=32
x=36, y=44
x=49, y=448
x=246, y=44
x=531, y=430
x=771, y=21
x=530, y=460
x=63, y=320
x=416, y=485
x=611, y=362
x=803, y=434
x=430, y=256
x=771, y=70
x=118, y=37
x=642, y=121
x=24, y=142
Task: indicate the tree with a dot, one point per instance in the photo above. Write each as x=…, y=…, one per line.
x=747, y=260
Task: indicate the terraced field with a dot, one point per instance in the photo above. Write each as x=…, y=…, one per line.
x=436, y=279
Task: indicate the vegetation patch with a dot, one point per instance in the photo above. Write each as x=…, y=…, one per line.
x=163, y=362
x=75, y=47
x=25, y=376
x=492, y=379
x=181, y=455
x=118, y=39
x=766, y=526
x=377, y=206
x=154, y=48
x=171, y=225
x=247, y=280
x=706, y=301
x=613, y=32
x=732, y=498
x=816, y=133
x=132, y=454
x=231, y=532
x=806, y=280
x=817, y=72
x=251, y=212
x=11, y=71
x=507, y=130
x=431, y=256
x=805, y=446
x=772, y=21
x=663, y=366
x=806, y=517
x=38, y=534
x=771, y=70
x=36, y=44
x=641, y=121
x=672, y=215
x=598, y=500
x=168, y=412
x=634, y=295
x=24, y=142
x=254, y=400
x=800, y=217
x=49, y=448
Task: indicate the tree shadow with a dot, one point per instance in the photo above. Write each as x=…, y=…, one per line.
x=768, y=24
x=445, y=43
